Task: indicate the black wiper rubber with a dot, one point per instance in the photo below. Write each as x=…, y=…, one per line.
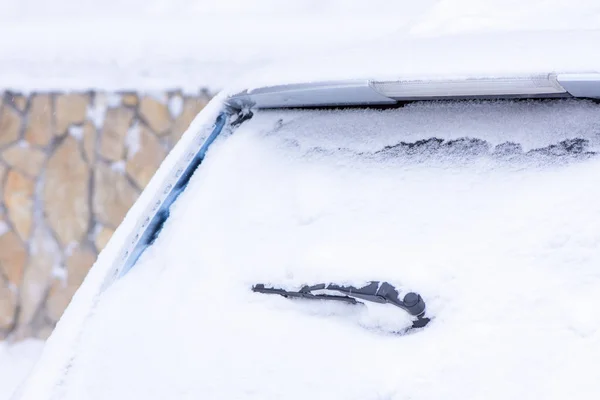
x=377, y=292
x=260, y=288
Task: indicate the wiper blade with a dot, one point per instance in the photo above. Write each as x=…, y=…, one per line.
x=375, y=291
x=260, y=288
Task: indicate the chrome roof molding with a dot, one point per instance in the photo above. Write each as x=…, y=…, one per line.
x=382, y=92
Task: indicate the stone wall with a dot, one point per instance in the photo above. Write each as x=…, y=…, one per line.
x=71, y=165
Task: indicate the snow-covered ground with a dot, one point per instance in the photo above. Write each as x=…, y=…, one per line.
x=503, y=247
x=162, y=44
x=15, y=363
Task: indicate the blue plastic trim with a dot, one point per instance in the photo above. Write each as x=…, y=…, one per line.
x=156, y=224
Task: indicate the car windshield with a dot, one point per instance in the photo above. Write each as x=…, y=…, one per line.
x=487, y=209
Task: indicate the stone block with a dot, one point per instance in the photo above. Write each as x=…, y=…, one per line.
x=66, y=193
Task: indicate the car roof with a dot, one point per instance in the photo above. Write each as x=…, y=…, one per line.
x=395, y=69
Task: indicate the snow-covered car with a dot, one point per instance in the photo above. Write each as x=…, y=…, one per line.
x=419, y=237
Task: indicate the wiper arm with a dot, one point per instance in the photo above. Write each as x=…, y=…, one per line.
x=260, y=288
x=377, y=292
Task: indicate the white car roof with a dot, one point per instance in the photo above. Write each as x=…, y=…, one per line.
x=501, y=65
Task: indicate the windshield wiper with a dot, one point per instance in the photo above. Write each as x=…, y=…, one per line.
x=375, y=291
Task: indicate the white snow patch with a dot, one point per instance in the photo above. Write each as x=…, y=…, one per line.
x=473, y=16
x=97, y=112
x=132, y=140
x=175, y=105
x=70, y=247
x=3, y=227
x=61, y=273
x=118, y=166
x=76, y=131
x=113, y=100
x=16, y=360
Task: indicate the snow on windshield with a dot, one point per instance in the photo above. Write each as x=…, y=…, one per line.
x=501, y=245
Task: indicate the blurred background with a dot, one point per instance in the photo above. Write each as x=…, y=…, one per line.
x=94, y=94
